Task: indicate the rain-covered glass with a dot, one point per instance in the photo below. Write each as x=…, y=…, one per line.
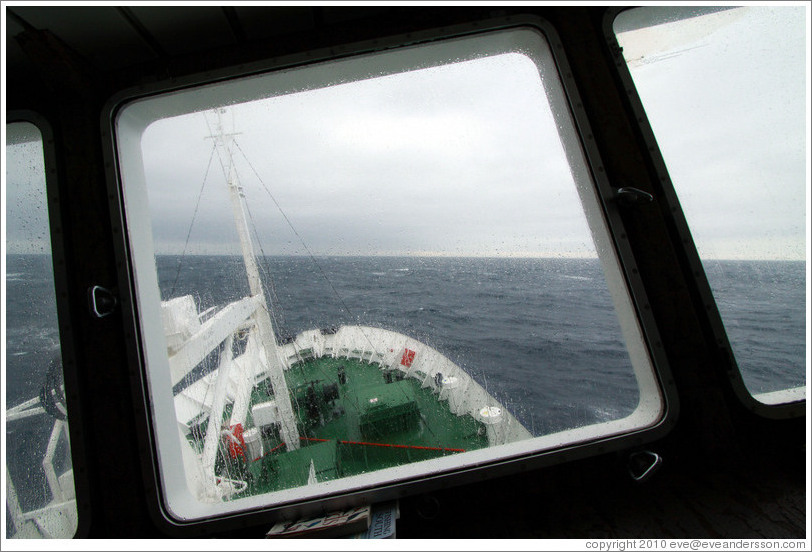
x=397, y=249
x=39, y=475
x=725, y=91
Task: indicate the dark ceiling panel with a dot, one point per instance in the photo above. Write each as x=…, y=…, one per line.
x=15, y=57
x=260, y=23
x=182, y=30
x=343, y=14
x=13, y=28
x=100, y=33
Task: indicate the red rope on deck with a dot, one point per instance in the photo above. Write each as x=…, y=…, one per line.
x=313, y=439
x=280, y=445
x=277, y=447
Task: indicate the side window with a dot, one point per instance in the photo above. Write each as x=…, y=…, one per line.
x=39, y=476
x=725, y=91
x=361, y=272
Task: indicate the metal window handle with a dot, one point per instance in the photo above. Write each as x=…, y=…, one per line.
x=101, y=301
x=643, y=464
x=632, y=196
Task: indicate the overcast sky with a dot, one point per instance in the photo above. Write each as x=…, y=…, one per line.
x=462, y=159
x=465, y=159
x=26, y=217
x=726, y=97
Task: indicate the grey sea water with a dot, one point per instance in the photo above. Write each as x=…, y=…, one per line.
x=540, y=335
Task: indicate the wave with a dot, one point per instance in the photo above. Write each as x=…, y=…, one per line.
x=508, y=322
x=582, y=278
x=21, y=340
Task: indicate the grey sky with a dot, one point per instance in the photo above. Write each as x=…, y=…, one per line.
x=465, y=159
x=25, y=204
x=726, y=96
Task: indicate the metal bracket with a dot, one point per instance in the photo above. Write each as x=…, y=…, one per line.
x=101, y=301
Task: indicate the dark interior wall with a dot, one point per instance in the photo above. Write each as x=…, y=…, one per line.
x=727, y=471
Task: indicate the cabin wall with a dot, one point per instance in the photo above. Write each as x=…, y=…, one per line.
x=727, y=471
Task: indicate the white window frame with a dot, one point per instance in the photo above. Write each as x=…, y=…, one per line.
x=784, y=403
x=129, y=114
x=77, y=490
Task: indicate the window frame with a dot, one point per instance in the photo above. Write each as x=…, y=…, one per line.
x=59, y=265
x=616, y=242
x=709, y=315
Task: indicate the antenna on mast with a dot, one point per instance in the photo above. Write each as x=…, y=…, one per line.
x=267, y=336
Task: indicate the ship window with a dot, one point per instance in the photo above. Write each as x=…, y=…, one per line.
x=725, y=92
x=357, y=273
x=40, y=493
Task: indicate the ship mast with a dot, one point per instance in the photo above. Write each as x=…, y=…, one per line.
x=267, y=337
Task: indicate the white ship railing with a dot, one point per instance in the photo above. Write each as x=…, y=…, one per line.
x=58, y=518
x=386, y=348
x=189, y=343
x=232, y=381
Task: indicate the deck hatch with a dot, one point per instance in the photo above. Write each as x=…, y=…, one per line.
x=387, y=408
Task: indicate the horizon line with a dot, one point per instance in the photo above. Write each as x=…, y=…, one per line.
x=426, y=255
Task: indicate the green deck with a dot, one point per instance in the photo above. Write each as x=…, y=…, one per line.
x=368, y=420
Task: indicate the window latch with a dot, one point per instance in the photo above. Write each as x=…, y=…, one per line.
x=632, y=196
x=101, y=301
x=642, y=464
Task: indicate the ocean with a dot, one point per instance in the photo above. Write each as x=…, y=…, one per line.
x=505, y=321
x=540, y=335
